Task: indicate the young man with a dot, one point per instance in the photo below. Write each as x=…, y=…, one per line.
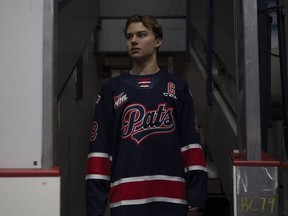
x=145, y=154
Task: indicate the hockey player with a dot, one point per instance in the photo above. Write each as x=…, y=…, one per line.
x=145, y=157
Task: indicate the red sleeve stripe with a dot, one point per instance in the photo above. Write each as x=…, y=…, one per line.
x=145, y=190
x=98, y=164
x=192, y=156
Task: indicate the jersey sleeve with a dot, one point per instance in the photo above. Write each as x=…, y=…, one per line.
x=99, y=160
x=191, y=150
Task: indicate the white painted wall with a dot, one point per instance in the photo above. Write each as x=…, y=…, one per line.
x=21, y=53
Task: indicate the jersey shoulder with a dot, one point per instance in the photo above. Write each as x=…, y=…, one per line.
x=113, y=82
x=180, y=82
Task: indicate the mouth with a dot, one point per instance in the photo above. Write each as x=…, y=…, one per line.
x=135, y=49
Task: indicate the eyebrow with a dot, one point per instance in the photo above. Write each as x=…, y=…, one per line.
x=139, y=32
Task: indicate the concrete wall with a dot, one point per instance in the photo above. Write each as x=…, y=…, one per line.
x=217, y=134
x=72, y=138
x=152, y=7
x=217, y=121
x=171, y=14
x=286, y=36
x=112, y=39
x=75, y=25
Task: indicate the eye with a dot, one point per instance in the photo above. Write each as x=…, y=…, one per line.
x=141, y=34
x=129, y=36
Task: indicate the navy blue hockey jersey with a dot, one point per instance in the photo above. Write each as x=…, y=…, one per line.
x=145, y=156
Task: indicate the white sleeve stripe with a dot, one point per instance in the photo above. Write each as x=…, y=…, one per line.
x=99, y=154
x=191, y=146
x=97, y=176
x=193, y=168
x=147, y=200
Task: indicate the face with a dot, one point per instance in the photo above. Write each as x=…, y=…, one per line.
x=141, y=42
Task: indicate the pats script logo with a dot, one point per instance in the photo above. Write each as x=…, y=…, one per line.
x=138, y=123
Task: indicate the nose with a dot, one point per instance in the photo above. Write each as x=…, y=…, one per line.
x=134, y=39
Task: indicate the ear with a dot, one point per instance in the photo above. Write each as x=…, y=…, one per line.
x=158, y=42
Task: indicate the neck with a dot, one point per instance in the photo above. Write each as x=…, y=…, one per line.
x=144, y=71
x=145, y=68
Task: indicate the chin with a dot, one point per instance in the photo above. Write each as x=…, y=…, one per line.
x=136, y=56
